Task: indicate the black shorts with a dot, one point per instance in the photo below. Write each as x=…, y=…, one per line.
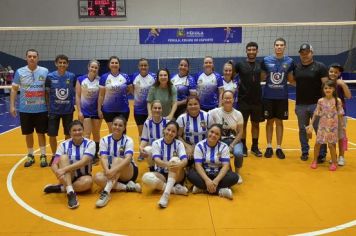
x=96, y=117
x=53, y=123
x=140, y=119
x=277, y=108
x=31, y=121
x=134, y=176
x=109, y=116
x=75, y=178
x=254, y=111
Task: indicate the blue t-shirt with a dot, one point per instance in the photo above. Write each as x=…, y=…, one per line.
x=115, y=92
x=61, y=91
x=32, y=89
x=141, y=87
x=184, y=86
x=89, y=95
x=277, y=71
x=208, y=89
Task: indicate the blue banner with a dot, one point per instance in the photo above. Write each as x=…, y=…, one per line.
x=191, y=35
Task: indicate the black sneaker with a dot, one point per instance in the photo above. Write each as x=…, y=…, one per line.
x=280, y=153
x=43, y=161
x=321, y=159
x=244, y=151
x=268, y=152
x=304, y=157
x=256, y=151
x=30, y=160
x=53, y=188
x=72, y=200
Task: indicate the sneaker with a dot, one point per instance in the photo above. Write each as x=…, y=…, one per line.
x=280, y=153
x=180, y=190
x=304, y=157
x=140, y=158
x=240, y=181
x=341, y=161
x=43, y=161
x=244, y=151
x=321, y=159
x=163, y=202
x=104, y=198
x=30, y=160
x=332, y=167
x=133, y=187
x=72, y=200
x=268, y=152
x=314, y=165
x=53, y=188
x=196, y=190
x=225, y=192
x=256, y=151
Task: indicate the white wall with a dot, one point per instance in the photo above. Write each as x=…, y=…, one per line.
x=162, y=12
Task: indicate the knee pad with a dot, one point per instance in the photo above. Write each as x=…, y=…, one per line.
x=150, y=180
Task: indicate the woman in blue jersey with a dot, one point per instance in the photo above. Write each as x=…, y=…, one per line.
x=87, y=93
x=72, y=165
x=193, y=126
x=119, y=170
x=209, y=85
x=229, y=80
x=142, y=81
x=185, y=86
x=170, y=159
x=113, y=99
x=212, y=173
x=152, y=130
x=164, y=91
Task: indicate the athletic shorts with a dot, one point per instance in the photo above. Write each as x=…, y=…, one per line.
x=75, y=178
x=109, y=116
x=254, y=111
x=92, y=117
x=134, y=176
x=277, y=108
x=140, y=119
x=53, y=123
x=34, y=121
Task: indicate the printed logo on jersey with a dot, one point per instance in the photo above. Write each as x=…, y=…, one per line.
x=62, y=94
x=203, y=124
x=276, y=77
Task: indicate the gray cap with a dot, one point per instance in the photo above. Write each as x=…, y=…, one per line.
x=305, y=46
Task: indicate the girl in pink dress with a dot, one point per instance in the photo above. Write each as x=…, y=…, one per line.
x=329, y=110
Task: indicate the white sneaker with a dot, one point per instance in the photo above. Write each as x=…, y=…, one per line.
x=240, y=181
x=197, y=190
x=225, y=192
x=103, y=199
x=180, y=190
x=133, y=187
x=341, y=161
x=163, y=202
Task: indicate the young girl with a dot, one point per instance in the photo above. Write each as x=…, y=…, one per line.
x=330, y=111
x=343, y=93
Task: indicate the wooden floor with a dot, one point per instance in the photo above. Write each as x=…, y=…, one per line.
x=278, y=197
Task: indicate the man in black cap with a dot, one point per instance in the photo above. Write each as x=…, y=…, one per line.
x=309, y=76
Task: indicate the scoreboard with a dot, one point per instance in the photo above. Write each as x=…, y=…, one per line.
x=102, y=8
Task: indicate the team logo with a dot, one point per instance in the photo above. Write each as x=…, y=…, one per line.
x=67, y=81
x=218, y=155
x=203, y=124
x=277, y=77
x=285, y=66
x=121, y=151
x=200, y=81
x=41, y=78
x=108, y=81
x=62, y=94
x=175, y=154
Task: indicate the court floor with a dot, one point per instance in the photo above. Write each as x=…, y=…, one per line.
x=278, y=197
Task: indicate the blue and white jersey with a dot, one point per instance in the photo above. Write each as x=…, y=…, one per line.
x=89, y=95
x=164, y=151
x=141, y=87
x=32, y=89
x=232, y=85
x=115, y=99
x=277, y=71
x=152, y=131
x=61, y=89
x=207, y=87
x=76, y=153
x=195, y=129
x=116, y=148
x=184, y=85
x=212, y=158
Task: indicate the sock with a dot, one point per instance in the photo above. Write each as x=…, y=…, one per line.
x=255, y=142
x=108, y=186
x=96, y=149
x=170, y=183
x=278, y=147
x=43, y=150
x=30, y=151
x=119, y=186
x=269, y=145
x=69, y=188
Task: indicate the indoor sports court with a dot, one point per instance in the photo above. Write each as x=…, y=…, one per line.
x=277, y=197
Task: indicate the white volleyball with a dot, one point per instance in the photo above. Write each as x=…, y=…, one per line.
x=147, y=149
x=174, y=160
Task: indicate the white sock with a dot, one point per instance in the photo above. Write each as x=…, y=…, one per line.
x=269, y=145
x=170, y=183
x=119, y=186
x=69, y=188
x=109, y=186
x=43, y=150
x=278, y=147
x=30, y=151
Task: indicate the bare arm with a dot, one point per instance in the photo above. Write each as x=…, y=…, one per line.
x=221, y=174
x=173, y=110
x=78, y=93
x=100, y=101
x=221, y=91
x=291, y=79
x=345, y=88
x=13, y=96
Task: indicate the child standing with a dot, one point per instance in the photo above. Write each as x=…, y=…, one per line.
x=330, y=111
x=343, y=93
